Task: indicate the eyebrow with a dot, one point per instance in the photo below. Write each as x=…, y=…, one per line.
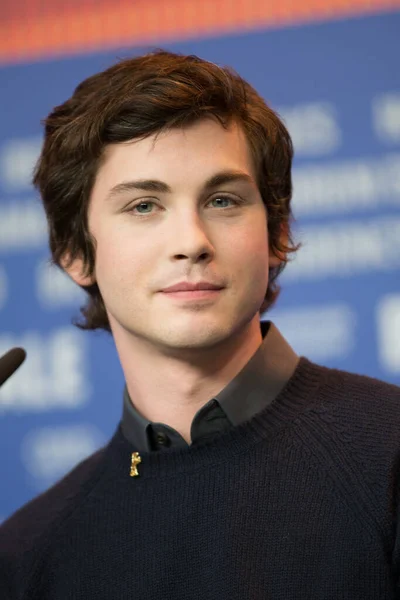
x=155, y=185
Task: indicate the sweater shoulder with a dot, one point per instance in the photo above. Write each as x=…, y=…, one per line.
x=25, y=534
x=368, y=409
x=367, y=392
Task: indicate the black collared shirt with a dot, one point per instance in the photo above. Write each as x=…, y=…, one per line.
x=251, y=390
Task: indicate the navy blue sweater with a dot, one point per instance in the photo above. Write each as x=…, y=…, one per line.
x=299, y=502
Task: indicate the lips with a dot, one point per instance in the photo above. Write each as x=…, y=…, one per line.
x=184, y=286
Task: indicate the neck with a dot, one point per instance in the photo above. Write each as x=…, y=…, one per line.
x=170, y=387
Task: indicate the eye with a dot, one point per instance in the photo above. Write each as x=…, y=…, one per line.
x=223, y=199
x=146, y=203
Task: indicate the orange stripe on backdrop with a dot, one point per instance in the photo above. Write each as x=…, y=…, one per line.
x=107, y=24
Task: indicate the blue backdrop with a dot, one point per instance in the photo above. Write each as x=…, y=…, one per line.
x=337, y=86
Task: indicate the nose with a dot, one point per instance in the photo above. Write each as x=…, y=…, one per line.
x=190, y=239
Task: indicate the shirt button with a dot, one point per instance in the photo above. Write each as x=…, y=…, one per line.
x=163, y=439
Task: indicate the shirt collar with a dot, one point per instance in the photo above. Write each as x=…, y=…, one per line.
x=249, y=392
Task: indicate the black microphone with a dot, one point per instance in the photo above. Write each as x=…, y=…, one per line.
x=10, y=362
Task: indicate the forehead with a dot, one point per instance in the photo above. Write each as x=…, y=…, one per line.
x=195, y=152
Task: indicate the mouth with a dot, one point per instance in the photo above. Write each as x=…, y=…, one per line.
x=208, y=294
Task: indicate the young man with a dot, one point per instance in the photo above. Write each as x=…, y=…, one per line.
x=239, y=470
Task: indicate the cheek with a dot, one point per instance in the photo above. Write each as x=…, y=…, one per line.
x=112, y=253
x=250, y=246
x=248, y=260
x=124, y=260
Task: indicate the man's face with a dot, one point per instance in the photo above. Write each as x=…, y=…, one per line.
x=167, y=225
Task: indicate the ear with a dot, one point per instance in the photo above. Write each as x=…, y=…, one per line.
x=76, y=271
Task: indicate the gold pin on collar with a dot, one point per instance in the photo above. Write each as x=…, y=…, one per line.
x=135, y=461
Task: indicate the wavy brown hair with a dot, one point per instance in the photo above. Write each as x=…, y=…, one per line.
x=133, y=99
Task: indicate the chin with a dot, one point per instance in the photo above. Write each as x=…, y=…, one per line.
x=201, y=336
